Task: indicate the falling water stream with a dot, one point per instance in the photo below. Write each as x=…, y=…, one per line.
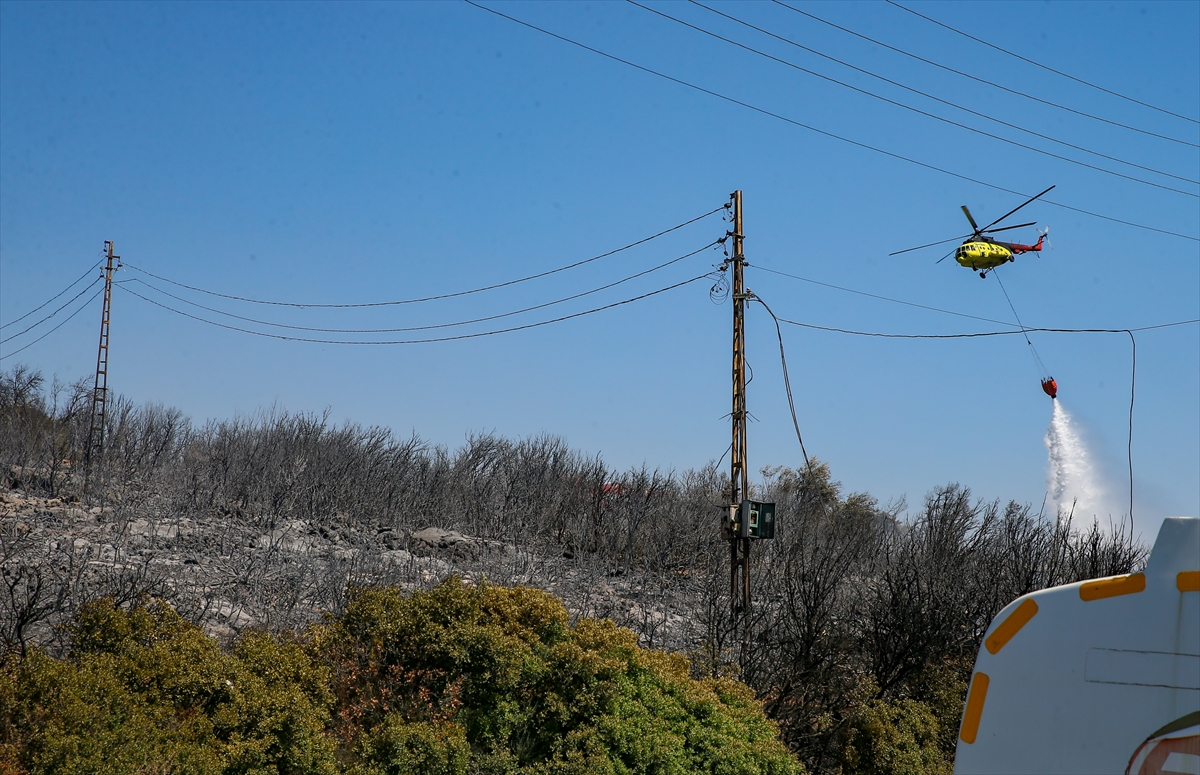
x=1072, y=483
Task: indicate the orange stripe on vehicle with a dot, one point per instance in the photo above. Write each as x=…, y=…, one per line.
x=1188, y=581
x=1115, y=587
x=975, y=698
x=1011, y=625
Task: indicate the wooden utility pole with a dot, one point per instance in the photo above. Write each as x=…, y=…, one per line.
x=95, y=442
x=739, y=478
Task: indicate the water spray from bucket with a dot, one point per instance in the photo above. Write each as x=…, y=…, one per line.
x=1072, y=484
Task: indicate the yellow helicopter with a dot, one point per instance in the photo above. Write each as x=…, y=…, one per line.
x=979, y=252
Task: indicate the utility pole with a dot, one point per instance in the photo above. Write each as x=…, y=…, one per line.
x=95, y=442
x=739, y=476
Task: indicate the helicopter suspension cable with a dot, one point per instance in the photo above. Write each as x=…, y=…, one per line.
x=822, y=132
x=905, y=106
x=1039, y=64
x=985, y=81
x=1044, y=373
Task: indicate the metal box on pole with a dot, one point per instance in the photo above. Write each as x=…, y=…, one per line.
x=754, y=519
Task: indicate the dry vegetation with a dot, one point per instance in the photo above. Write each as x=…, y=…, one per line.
x=866, y=620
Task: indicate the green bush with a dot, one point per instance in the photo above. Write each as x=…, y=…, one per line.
x=484, y=680
x=533, y=695
x=914, y=733
x=144, y=692
x=399, y=747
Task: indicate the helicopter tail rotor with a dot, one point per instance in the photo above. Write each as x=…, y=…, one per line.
x=1044, y=237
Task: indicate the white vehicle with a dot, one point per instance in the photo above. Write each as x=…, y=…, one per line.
x=1095, y=677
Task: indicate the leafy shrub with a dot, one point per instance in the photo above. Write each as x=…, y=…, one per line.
x=914, y=735
x=453, y=681
x=895, y=738
x=144, y=692
x=531, y=694
x=399, y=747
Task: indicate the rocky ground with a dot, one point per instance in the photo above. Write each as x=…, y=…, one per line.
x=230, y=574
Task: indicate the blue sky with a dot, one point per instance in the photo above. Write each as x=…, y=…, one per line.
x=336, y=153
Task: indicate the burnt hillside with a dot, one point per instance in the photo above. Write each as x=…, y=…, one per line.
x=867, y=617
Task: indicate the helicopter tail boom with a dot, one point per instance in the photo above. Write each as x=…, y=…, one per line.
x=1017, y=248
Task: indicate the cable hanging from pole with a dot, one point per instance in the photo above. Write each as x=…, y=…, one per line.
x=1024, y=332
x=980, y=334
x=787, y=382
x=1129, y=444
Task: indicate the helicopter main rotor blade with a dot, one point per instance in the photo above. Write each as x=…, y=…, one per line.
x=1010, y=212
x=943, y=258
x=1006, y=228
x=931, y=244
x=967, y=213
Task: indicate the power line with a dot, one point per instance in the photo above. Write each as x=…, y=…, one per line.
x=434, y=326
x=822, y=132
x=948, y=103
x=52, y=298
x=52, y=314
x=984, y=80
x=60, y=325
x=876, y=296
x=423, y=341
x=1044, y=67
x=430, y=298
x=898, y=104
x=987, y=333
